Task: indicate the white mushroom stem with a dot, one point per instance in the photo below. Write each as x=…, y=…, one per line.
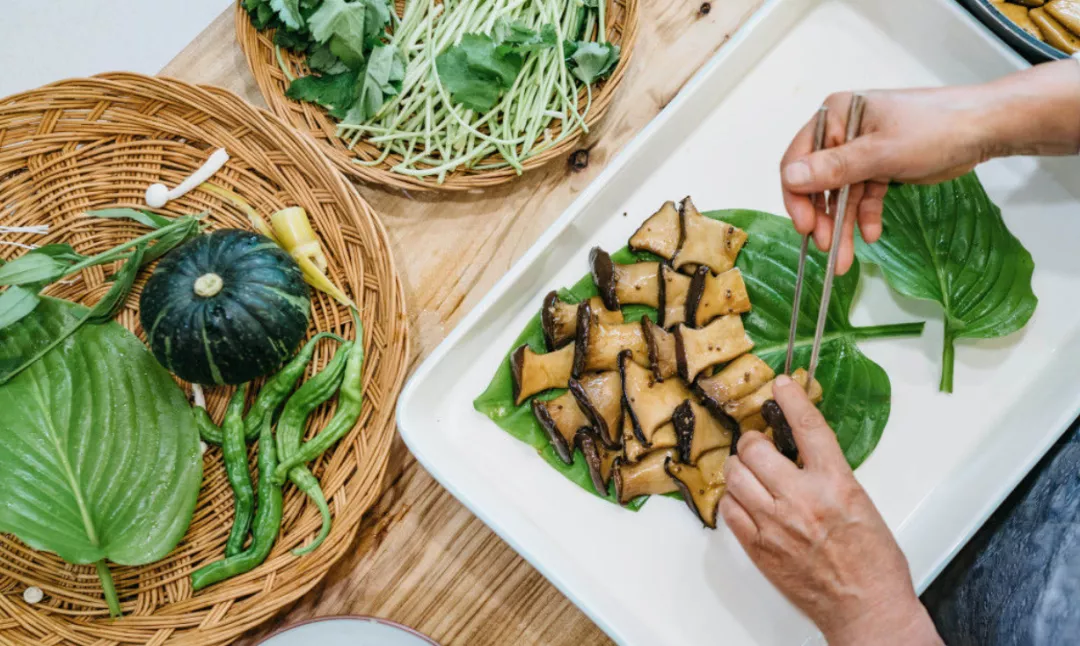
x=33, y=595
x=198, y=396
x=40, y=229
x=157, y=195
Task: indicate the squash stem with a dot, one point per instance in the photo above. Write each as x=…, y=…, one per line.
x=948, y=357
x=109, y=587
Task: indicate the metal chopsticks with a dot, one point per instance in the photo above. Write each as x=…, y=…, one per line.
x=854, y=124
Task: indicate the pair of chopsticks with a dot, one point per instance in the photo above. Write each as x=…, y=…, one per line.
x=854, y=125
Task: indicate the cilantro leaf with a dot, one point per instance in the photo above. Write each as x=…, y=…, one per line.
x=321, y=59
x=289, y=12
x=381, y=80
x=476, y=72
x=342, y=24
x=591, y=61
x=335, y=92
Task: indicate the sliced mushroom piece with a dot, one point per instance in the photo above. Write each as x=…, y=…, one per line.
x=660, y=234
x=699, y=431
x=645, y=477
x=712, y=243
x=712, y=296
x=599, y=459
x=743, y=408
x=719, y=341
x=598, y=345
x=782, y=434
x=701, y=486
x=736, y=380
x=1054, y=32
x=661, y=345
x=561, y=419
x=664, y=438
x=674, y=291
x=633, y=284
x=650, y=403
x=600, y=397
x=559, y=319
x=755, y=422
x=534, y=373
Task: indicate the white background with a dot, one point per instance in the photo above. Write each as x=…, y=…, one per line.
x=42, y=41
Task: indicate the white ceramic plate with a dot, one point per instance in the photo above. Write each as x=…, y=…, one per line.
x=944, y=462
x=348, y=631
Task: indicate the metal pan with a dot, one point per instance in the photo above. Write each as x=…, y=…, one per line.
x=1030, y=48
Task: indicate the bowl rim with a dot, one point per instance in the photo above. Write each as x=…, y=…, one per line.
x=992, y=12
x=328, y=618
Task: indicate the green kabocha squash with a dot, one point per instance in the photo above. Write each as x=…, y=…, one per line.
x=225, y=308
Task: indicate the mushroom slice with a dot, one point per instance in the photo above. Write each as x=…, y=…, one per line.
x=598, y=345
x=644, y=477
x=559, y=319
x=782, y=434
x=599, y=395
x=561, y=419
x=634, y=284
x=1055, y=33
x=736, y=380
x=665, y=437
x=719, y=341
x=701, y=486
x=661, y=345
x=712, y=296
x=649, y=402
x=534, y=373
x=712, y=243
x=755, y=422
x=660, y=234
x=674, y=291
x=743, y=408
x=599, y=459
x=699, y=431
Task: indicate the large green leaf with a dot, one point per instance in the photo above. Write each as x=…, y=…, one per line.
x=99, y=453
x=857, y=390
x=948, y=243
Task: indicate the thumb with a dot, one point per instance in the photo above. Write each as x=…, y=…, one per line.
x=831, y=169
x=817, y=443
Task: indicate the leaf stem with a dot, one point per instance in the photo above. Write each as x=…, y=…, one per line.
x=109, y=587
x=948, y=356
x=892, y=330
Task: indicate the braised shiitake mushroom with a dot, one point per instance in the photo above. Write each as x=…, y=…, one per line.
x=534, y=373
x=783, y=437
x=743, y=408
x=702, y=485
x=650, y=403
x=634, y=284
x=697, y=349
x=663, y=438
x=558, y=319
x=643, y=478
x=597, y=345
x=561, y=419
x=712, y=296
x=599, y=459
x=736, y=380
x=661, y=345
x=660, y=234
x=674, y=291
x=600, y=397
x=712, y=243
x=699, y=431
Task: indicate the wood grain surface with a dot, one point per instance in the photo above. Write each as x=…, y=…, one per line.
x=421, y=558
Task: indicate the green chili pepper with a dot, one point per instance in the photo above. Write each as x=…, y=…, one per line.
x=350, y=401
x=265, y=528
x=234, y=448
x=209, y=432
x=278, y=387
x=309, y=396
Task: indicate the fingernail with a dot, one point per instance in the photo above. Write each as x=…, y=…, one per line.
x=783, y=381
x=797, y=173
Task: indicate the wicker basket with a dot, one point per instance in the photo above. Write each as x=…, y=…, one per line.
x=91, y=143
x=313, y=120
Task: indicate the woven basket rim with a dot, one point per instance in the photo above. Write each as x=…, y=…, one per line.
x=253, y=43
x=254, y=598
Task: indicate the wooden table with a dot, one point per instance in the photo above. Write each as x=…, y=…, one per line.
x=421, y=558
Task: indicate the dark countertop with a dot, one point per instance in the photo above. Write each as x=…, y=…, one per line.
x=1018, y=580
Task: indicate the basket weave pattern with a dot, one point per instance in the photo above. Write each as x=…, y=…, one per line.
x=95, y=143
x=311, y=119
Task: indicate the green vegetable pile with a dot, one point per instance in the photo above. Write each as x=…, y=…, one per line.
x=451, y=83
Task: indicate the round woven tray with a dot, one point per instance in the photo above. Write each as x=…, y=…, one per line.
x=99, y=142
x=313, y=120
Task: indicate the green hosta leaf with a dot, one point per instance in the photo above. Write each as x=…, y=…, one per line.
x=857, y=390
x=16, y=303
x=99, y=453
x=948, y=243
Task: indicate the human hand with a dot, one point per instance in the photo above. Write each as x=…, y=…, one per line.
x=815, y=534
x=924, y=136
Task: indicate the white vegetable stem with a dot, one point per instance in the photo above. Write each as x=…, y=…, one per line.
x=158, y=195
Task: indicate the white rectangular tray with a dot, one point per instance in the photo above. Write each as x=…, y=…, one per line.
x=944, y=463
